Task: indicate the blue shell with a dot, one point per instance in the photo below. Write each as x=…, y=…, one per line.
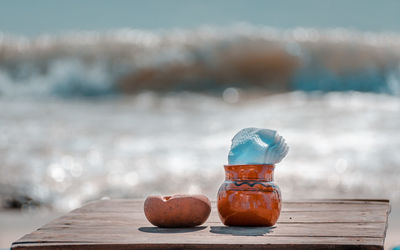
x=257, y=146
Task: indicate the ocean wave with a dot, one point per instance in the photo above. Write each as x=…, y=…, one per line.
x=207, y=59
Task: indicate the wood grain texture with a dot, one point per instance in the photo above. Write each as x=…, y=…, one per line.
x=121, y=224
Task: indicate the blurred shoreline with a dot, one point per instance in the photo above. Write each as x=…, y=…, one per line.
x=68, y=161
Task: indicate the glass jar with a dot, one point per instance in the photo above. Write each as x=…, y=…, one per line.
x=248, y=196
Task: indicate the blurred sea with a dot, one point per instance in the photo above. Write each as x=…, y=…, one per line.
x=128, y=113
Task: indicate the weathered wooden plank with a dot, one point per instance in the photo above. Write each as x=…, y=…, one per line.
x=81, y=231
x=120, y=224
x=334, y=205
x=222, y=236
x=286, y=217
x=124, y=246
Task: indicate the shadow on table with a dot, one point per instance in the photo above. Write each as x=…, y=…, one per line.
x=160, y=230
x=242, y=231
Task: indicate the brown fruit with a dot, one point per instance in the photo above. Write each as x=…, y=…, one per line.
x=177, y=210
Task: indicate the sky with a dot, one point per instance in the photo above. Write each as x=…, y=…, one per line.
x=32, y=18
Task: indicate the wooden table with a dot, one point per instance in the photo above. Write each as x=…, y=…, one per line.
x=121, y=224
